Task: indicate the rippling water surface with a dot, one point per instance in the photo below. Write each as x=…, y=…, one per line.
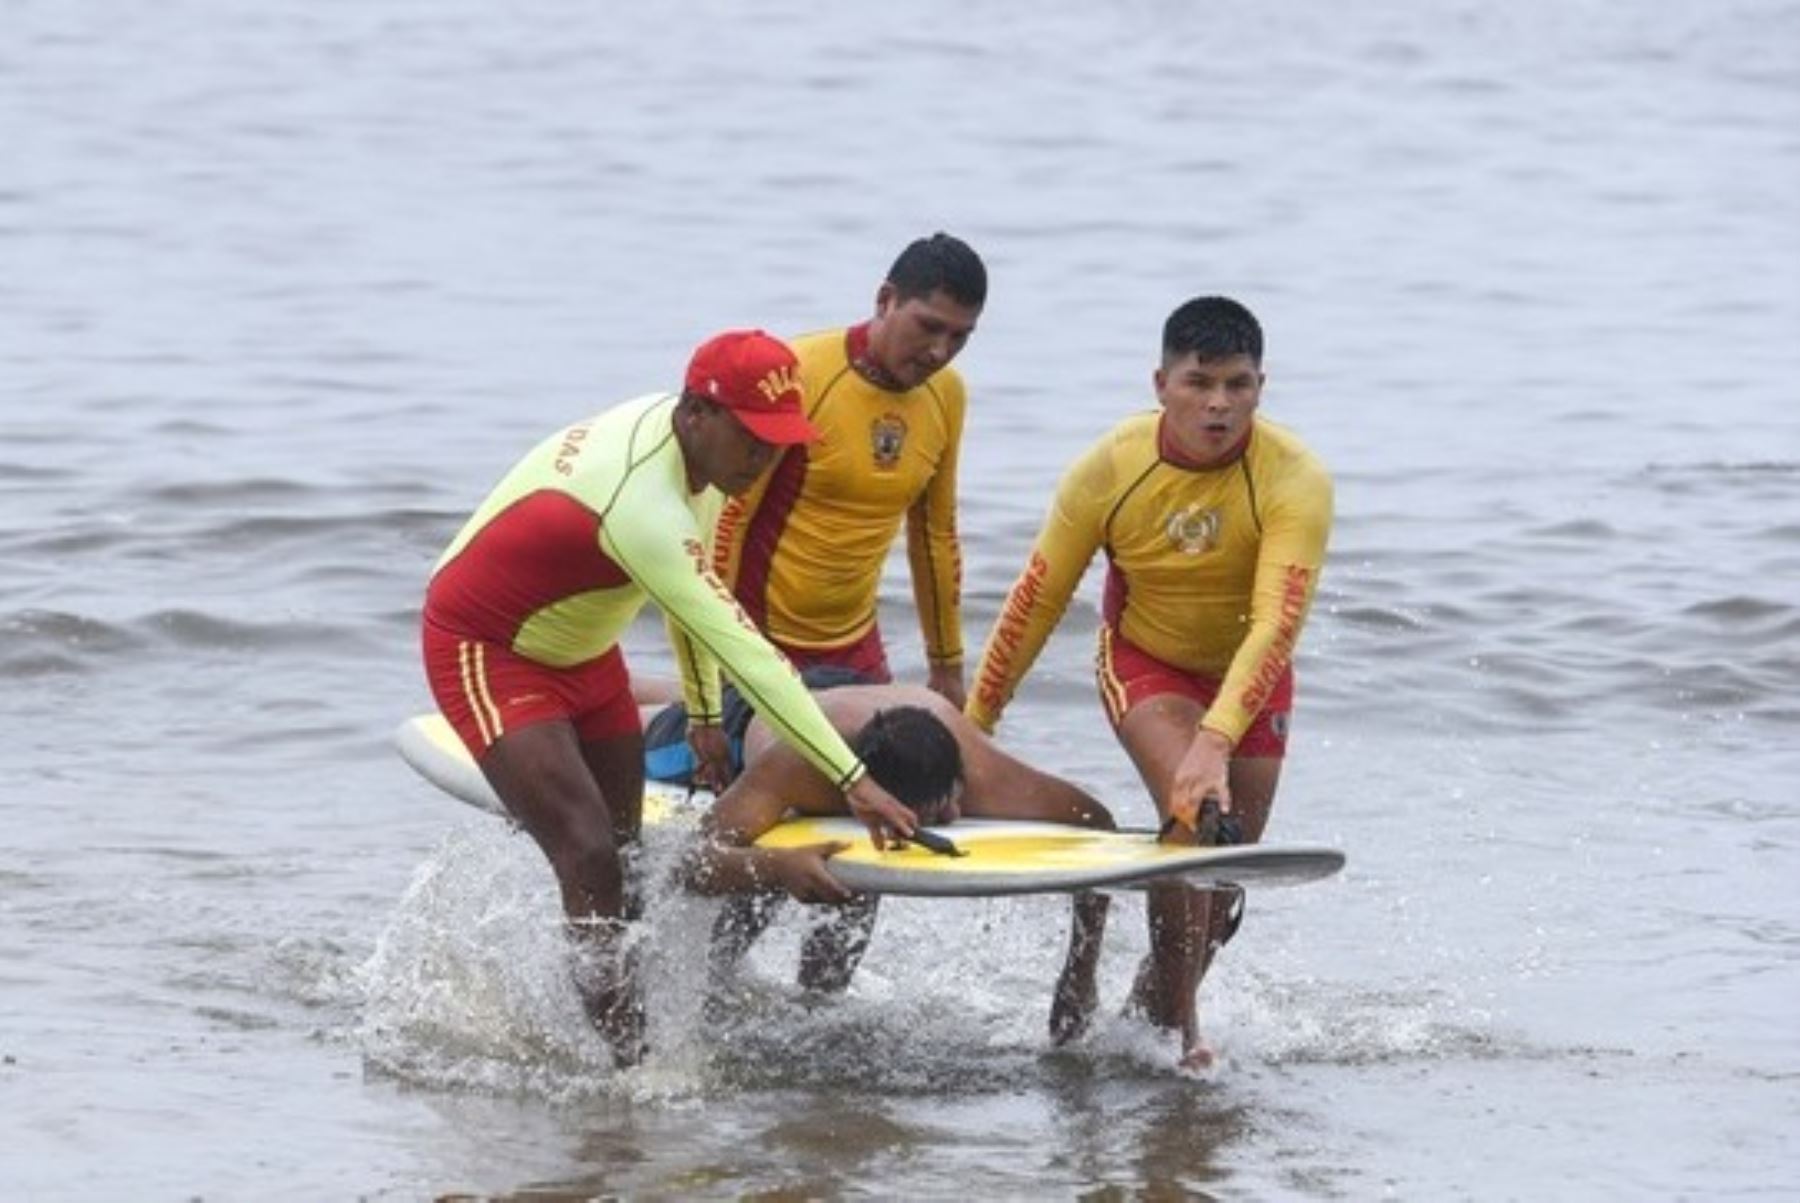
x=285, y=287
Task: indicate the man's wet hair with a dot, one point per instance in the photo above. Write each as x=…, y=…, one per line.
x=912, y=755
x=940, y=261
x=1212, y=328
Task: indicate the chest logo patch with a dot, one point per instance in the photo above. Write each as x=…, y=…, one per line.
x=1194, y=530
x=887, y=439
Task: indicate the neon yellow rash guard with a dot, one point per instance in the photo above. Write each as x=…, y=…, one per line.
x=805, y=548
x=592, y=523
x=1210, y=570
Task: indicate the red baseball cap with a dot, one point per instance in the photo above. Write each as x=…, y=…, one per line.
x=757, y=378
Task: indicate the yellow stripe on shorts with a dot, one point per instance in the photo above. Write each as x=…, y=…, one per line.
x=472, y=659
x=1112, y=691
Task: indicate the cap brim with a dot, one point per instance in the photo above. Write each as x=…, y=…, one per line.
x=782, y=429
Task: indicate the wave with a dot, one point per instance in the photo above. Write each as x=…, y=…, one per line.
x=54, y=642
x=468, y=988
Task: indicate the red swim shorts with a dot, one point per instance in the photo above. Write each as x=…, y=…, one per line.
x=867, y=657
x=1129, y=675
x=486, y=690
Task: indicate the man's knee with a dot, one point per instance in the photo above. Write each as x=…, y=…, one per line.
x=846, y=928
x=1254, y=780
x=589, y=856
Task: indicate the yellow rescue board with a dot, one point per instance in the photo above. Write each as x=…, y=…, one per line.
x=991, y=856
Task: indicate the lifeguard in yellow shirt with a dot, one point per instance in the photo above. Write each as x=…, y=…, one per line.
x=804, y=549
x=1214, y=522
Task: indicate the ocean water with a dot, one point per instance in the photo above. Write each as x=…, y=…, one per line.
x=284, y=288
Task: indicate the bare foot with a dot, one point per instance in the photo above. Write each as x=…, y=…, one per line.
x=1148, y=1003
x=1198, y=1058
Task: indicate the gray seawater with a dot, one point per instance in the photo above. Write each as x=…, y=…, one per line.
x=284, y=287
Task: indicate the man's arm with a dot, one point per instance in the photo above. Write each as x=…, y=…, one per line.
x=699, y=671
x=934, y=552
x=1287, y=576
x=702, y=698
x=946, y=680
x=1288, y=562
x=660, y=548
x=726, y=863
x=1072, y=532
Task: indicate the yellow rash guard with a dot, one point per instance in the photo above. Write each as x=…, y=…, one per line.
x=592, y=523
x=804, y=550
x=1209, y=570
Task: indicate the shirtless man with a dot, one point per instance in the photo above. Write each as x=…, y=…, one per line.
x=935, y=761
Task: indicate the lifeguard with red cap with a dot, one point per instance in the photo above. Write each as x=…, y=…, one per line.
x=526, y=608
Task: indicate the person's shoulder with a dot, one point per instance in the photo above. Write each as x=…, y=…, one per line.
x=1136, y=427
x=1288, y=455
x=620, y=413
x=949, y=378
x=1132, y=436
x=647, y=421
x=944, y=388
x=817, y=347
x=623, y=434
x=824, y=358
x=645, y=410
x=1119, y=455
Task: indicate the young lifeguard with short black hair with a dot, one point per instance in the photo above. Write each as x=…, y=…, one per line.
x=1214, y=522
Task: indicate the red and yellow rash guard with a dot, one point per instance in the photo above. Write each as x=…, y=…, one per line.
x=592, y=523
x=805, y=549
x=1209, y=570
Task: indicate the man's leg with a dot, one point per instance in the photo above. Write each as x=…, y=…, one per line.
x=1187, y=926
x=616, y=763
x=834, y=948
x=742, y=918
x=831, y=951
x=1253, y=783
x=582, y=803
x=1077, y=993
